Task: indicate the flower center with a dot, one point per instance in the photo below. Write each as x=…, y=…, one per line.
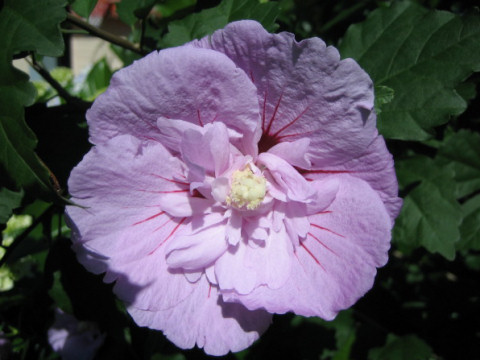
x=247, y=189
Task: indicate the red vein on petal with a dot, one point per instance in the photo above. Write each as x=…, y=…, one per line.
x=327, y=172
x=214, y=118
x=169, y=235
x=199, y=117
x=209, y=290
x=165, y=192
x=321, y=243
x=171, y=180
x=151, y=139
x=294, y=135
x=324, y=212
x=324, y=228
x=264, y=111
x=251, y=77
x=161, y=226
x=267, y=131
x=291, y=122
x=149, y=218
x=313, y=256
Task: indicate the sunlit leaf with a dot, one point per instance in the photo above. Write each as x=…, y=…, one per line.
x=207, y=21
x=96, y=81
x=9, y=200
x=422, y=55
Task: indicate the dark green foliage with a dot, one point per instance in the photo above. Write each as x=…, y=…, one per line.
x=424, y=58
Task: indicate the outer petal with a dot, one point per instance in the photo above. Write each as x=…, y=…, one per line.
x=337, y=262
x=205, y=320
x=121, y=228
x=374, y=165
x=247, y=267
x=186, y=83
x=304, y=90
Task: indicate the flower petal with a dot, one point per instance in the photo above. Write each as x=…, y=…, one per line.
x=249, y=267
x=197, y=249
x=294, y=152
x=210, y=151
x=374, y=165
x=287, y=178
x=203, y=319
x=336, y=264
x=304, y=90
x=121, y=228
x=186, y=83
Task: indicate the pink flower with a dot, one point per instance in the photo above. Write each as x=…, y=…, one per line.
x=231, y=178
x=73, y=339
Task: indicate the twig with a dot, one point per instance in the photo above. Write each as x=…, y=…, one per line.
x=104, y=34
x=24, y=234
x=59, y=88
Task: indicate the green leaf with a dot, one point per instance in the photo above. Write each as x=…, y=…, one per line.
x=130, y=11
x=96, y=81
x=205, y=22
x=431, y=215
x=423, y=55
x=170, y=7
x=408, y=347
x=84, y=7
x=383, y=95
x=59, y=295
x=470, y=228
x=25, y=26
x=462, y=150
x=9, y=200
x=345, y=334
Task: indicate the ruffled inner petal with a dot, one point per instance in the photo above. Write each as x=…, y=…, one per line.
x=287, y=178
x=209, y=150
x=294, y=152
x=196, y=250
x=336, y=264
x=247, y=267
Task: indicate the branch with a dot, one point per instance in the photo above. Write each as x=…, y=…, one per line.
x=59, y=88
x=25, y=233
x=117, y=40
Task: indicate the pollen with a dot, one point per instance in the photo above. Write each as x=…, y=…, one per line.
x=247, y=190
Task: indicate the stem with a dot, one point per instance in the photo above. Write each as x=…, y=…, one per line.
x=117, y=40
x=23, y=235
x=59, y=88
x=142, y=34
x=341, y=16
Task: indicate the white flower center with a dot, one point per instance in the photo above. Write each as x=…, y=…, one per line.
x=247, y=189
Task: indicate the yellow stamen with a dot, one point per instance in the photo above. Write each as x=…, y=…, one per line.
x=247, y=190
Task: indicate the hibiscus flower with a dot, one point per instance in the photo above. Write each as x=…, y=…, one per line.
x=232, y=178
